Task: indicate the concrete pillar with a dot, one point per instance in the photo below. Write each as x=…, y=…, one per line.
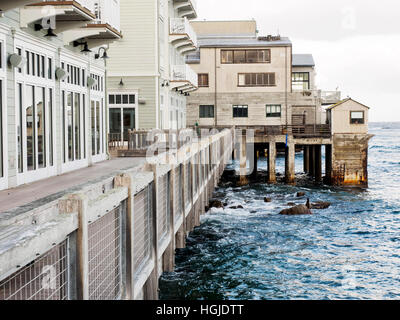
x=150, y=288
x=79, y=203
x=328, y=164
x=168, y=258
x=180, y=238
x=272, y=162
x=318, y=163
x=290, y=163
x=243, y=161
x=306, y=159
x=253, y=161
x=311, y=159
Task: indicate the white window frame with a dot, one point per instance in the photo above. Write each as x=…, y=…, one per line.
x=76, y=61
x=125, y=106
x=100, y=96
x=26, y=43
x=3, y=134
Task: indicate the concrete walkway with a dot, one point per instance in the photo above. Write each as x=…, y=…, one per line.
x=25, y=194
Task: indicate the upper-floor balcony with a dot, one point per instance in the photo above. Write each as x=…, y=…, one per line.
x=186, y=8
x=60, y=16
x=330, y=97
x=182, y=36
x=6, y=5
x=183, y=78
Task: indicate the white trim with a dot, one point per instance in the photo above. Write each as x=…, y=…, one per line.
x=132, y=74
x=4, y=134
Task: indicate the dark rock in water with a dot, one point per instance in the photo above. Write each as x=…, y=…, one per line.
x=225, y=204
x=320, y=205
x=291, y=204
x=308, y=205
x=254, y=211
x=296, y=210
x=236, y=207
x=300, y=194
x=215, y=204
x=266, y=199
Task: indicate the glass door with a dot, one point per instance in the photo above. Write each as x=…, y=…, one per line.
x=129, y=121
x=96, y=126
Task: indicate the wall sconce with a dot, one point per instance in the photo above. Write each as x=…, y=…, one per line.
x=85, y=46
x=104, y=56
x=50, y=32
x=121, y=83
x=165, y=84
x=16, y=61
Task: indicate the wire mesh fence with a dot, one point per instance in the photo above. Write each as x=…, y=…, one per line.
x=142, y=227
x=45, y=278
x=178, y=190
x=104, y=246
x=163, y=206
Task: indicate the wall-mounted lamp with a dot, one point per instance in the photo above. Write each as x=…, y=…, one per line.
x=104, y=56
x=61, y=74
x=121, y=83
x=16, y=61
x=50, y=32
x=165, y=84
x=85, y=46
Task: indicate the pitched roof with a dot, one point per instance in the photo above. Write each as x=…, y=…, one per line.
x=232, y=42
x=343, y=101
x=303, y=60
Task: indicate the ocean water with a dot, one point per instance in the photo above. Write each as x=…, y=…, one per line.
x=349, y=251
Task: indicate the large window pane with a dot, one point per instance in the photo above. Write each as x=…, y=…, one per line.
x=239, y=56
x=115, y=121
x=93, y=125
x=51, y=128
x=70, y=128
x=129, y=121
x=77, y=126
x=98, y=128
x=41, y=127
x=30, y=128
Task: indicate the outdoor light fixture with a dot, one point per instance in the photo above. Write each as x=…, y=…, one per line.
x=50, y=32
x=104, y=56
x=165, y=83
x=16, y=60
x=86, y=48
x=121, y=83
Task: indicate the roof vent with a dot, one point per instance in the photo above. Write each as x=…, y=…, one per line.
x=269, y=38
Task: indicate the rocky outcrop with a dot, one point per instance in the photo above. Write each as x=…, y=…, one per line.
x=236, y=207
x=214, y=203
x=300, y=194
x=266, y=199
x=296, y=210
x=320, y=205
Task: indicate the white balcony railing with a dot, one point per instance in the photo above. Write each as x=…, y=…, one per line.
x=181, y=26
x=184, y=73
x=88, y=4
x=108, y=12
x=331, y=96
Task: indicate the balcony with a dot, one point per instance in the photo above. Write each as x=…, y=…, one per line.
x=104, y=29
x=182, y=35
x=330, y=97
x=6, y=5
x=186, y=8
x=183, y=78
x=68, y=14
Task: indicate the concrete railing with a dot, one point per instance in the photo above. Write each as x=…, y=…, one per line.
x=181, y=26
x=113, y=238
x=184, y=73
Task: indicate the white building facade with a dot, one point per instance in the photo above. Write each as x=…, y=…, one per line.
x=148, y=80
x=53, y=90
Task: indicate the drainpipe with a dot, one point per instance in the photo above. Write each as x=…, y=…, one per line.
x=215, y=91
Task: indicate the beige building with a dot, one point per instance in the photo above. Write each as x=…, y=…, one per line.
x=148, y=81
x=245, y=79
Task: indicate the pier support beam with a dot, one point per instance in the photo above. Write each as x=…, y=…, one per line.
x=290, y=163
x=243, y=161
x=253, y=161
x=168, y=258
x=306, y=159
x=328, y=164
x=318, y=163
x=272, y=162
x=311, y=159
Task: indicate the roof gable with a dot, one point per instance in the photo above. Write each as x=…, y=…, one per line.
x=344, y=101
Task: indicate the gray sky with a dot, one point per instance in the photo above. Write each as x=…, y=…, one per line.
x=355, y=43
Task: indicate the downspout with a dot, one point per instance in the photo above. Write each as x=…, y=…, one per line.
x=215, y=90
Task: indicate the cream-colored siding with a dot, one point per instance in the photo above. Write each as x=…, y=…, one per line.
x=340, y=118
x=135, y=54
x=225, y=27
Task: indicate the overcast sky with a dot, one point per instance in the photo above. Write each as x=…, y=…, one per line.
x=355, y=43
